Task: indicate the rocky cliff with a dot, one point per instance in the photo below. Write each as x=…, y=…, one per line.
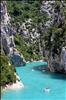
x=41, y=28
x=7, y=36
x=55, y=10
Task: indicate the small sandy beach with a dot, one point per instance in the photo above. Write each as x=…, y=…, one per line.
x=17, y=85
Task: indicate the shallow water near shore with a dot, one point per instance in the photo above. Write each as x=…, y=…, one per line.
x=35, y=82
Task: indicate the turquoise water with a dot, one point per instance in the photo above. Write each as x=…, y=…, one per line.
x=34, y=82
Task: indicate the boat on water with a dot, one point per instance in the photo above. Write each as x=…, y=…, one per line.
x=46, y=89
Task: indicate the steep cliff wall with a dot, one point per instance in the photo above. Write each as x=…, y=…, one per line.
x=41, y=28
x=6, y=30
x=56, y=13
x=7, y=35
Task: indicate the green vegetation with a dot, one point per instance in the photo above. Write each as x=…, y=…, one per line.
x=23, y=10
x=31, y=9
x=28, y=51
x=7, y=71
x=20, y=11
x=58, y=29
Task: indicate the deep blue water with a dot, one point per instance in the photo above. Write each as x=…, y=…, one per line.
x=34, y=82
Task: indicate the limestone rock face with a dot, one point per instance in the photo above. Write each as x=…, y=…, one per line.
x=7, y=32
x=55, y=14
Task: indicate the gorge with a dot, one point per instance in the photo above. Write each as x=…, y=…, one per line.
x=30, y=30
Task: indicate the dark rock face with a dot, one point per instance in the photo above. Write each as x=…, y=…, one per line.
x=58, y=16
x=58, y=67
x=55, y=64
x=17, y=60
x=7, y=36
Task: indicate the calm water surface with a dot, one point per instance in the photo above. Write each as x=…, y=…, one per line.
x=34, y=82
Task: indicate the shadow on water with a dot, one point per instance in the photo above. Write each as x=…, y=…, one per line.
x=53, y=75
x=58, y=76
x=40, y=68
